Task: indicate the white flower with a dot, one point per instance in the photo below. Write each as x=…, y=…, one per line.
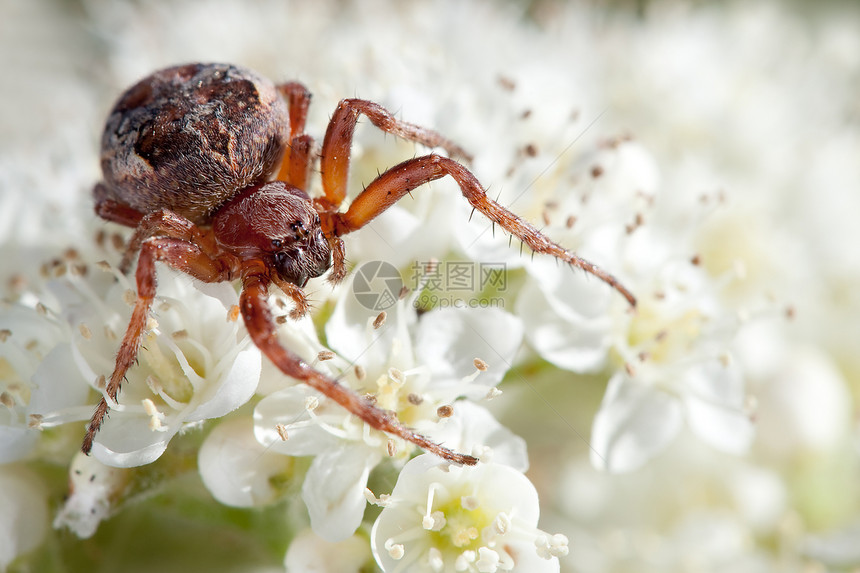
x=673, y=355
x=572, y=319
x=24, y=515
x=418, y=369
x=309, y=553
x=237, y=470
x=194, y=363
x=678, y=368
x=578, y=323
x=478, y=519
x=36, y=384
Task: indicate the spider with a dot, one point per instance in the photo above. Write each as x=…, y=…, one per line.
x=209, y=164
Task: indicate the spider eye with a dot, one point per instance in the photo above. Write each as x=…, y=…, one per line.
x=276, y=243
x=299, y=229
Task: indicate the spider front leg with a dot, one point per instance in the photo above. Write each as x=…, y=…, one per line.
x=334, y=162
x=261, y=327
x=392, y=185
x=181, y=255
x=334, y=158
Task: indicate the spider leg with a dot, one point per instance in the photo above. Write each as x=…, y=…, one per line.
x=334, y=162
x=181, y=255
x=112, y=210
x=298, y=101
x=258, y=320
x=334, y=158
x=295, y=166
x=168, y=224
x=389, y=187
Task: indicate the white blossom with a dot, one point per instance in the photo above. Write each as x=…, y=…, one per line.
x=194, y=363
x=24, y=519
x=447, y=518
x=410, y=368
x=37, y=387
x=672, y=354
x=708, y=514
x=310, y=553
x=237, y=470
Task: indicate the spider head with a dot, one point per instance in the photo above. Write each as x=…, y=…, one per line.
x=306, y=257
x=278, y=225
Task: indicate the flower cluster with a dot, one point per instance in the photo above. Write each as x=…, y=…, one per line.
x=711, y=169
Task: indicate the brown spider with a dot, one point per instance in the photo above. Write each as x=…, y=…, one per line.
x=209, y=162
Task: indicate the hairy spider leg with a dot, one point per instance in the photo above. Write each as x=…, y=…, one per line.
x=334, y=158
x=334, y=162
x=296, y=164
x=114, y=211
x=167, y=223
x=182, y=256
x=258, y=320
x=392, y=185
x=298, y=102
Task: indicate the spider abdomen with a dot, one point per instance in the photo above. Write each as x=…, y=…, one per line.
x=189, y=138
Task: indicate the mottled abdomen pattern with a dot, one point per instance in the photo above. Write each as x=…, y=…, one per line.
x=188, y=138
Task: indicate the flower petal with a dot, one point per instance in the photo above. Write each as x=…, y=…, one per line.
x=235, y=387
x=57, y=383
x=288, y=408
x=449, y=340
x=24, y=519
x=334, y=490
x=16, y=442
x=473, y=427
x=308, y=553
x=236, y=469
x=714, y=399
x=127, y=441
x=633, y=424
x=565, y=339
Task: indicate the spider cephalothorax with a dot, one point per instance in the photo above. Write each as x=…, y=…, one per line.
x=188, y=155
x=275, y=223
